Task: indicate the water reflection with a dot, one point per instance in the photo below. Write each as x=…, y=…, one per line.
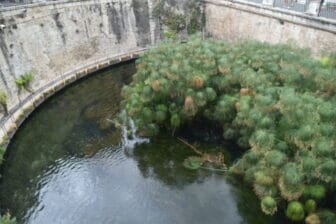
x=163, y=158
x=73, y=123
x=109, y=188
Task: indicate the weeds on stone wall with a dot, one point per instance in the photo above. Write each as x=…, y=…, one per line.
x=7, y=219
x=3, y=101
x=275, y=101
x=175, y=22
x=3, y=142
x=24, y=81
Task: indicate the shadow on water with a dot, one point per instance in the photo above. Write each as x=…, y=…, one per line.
x=229, y=200
x=66, y=164
x=63, y=126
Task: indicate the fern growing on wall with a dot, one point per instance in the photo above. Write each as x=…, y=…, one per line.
x=24, y=81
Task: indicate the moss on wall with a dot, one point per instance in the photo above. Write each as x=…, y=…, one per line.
x=178, y=18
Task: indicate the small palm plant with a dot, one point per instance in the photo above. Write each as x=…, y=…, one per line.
x=24, y=81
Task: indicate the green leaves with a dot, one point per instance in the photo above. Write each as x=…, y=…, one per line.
x=175, y=120
x=3, y=97
x=323, y=147
x=310, y=206
x=262, y=139
x=7, y=219
x=275, y=101
x=325, y=61
x=210, y=94
x=193, y=162
x=24, y=81
x=295, y=211
x=2, y=152
x=268, y=205
x=3, y=101
x=317, y=192
x=275, y=158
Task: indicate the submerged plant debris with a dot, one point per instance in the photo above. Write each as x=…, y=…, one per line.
x=196, y=162
x=193, y=162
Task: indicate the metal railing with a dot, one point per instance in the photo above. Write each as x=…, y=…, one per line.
x=328, y=9
x=319, y=8
x=295, y=5
x=60, y=79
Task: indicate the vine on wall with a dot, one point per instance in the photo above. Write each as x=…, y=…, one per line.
x=178, y=22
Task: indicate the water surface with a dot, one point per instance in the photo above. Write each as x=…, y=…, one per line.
x=66, y=165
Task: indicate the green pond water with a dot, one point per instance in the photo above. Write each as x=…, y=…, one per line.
x=67, y=164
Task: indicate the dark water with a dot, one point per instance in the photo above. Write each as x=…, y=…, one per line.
x=66, y=165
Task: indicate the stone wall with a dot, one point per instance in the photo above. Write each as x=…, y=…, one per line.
x=62, y=41
x=53, y=38
x=238, y=20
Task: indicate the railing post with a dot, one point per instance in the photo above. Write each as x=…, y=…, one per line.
x=314, y=7
x=268, y=2
x=320, y=7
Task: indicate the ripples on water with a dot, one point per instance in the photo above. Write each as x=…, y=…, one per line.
x=109, y=188
x=67, y=164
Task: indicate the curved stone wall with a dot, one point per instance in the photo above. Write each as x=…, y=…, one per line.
x=236, y=20
x=52, y=38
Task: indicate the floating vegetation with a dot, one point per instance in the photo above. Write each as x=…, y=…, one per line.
x=196, y=162
x=193, y=162
x=275, y=101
